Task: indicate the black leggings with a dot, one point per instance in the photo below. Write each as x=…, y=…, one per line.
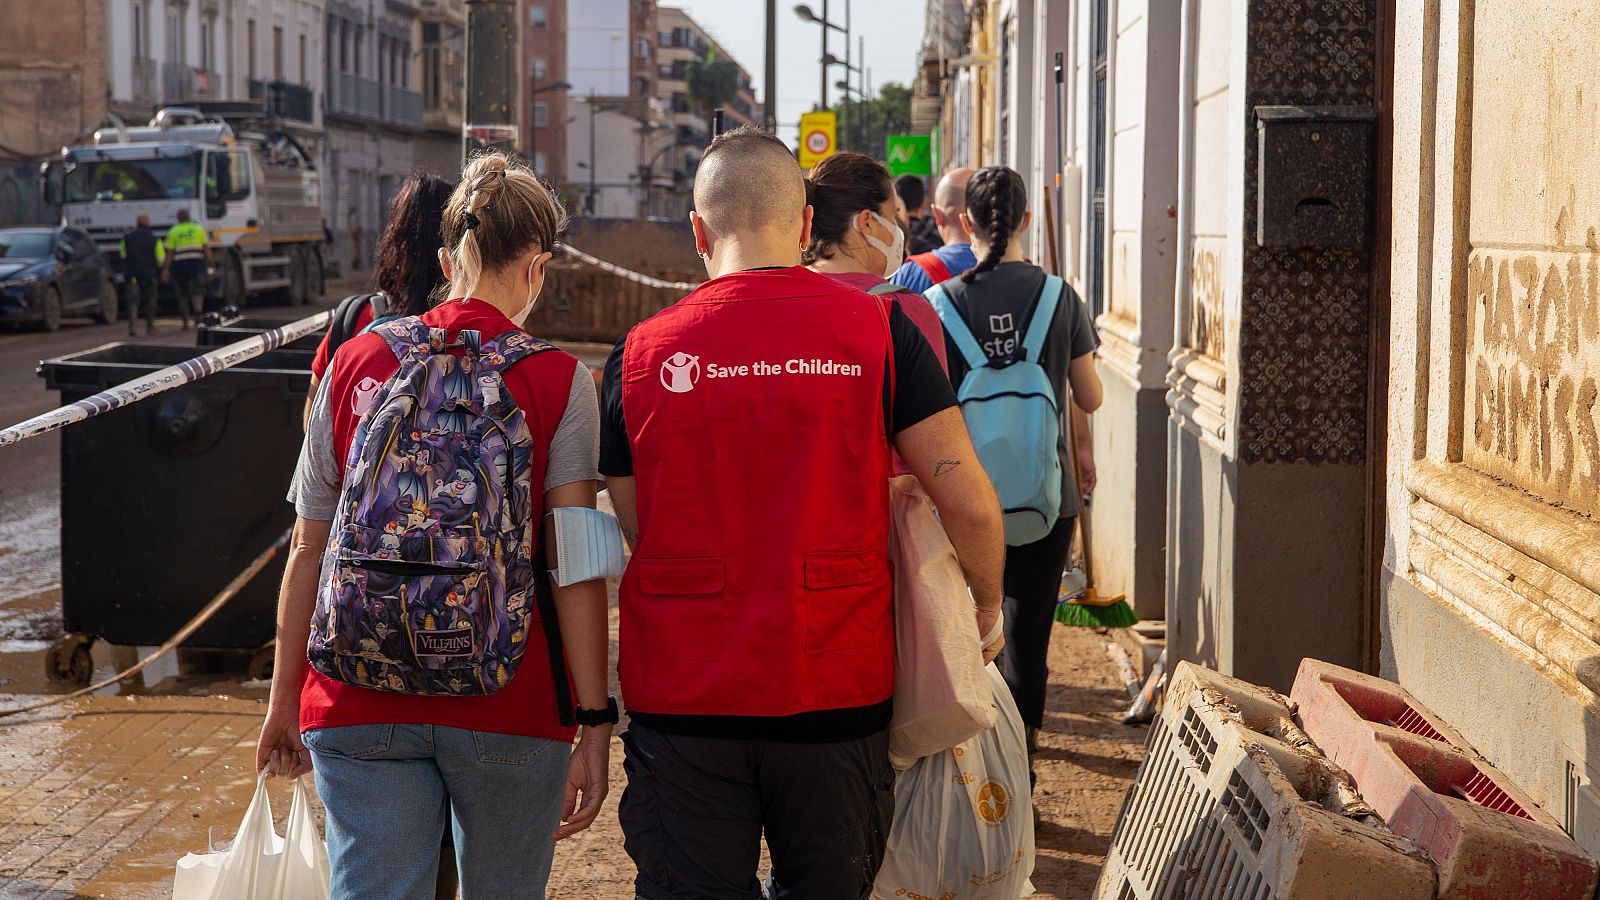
x=1033, y=581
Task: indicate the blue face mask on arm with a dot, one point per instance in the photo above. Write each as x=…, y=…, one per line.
x=588, y=545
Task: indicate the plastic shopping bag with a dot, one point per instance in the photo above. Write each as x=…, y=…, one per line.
x=941, y=696
x=259, y=865
x=963, y=819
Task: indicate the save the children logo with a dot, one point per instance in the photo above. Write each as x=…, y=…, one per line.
x=363, y=394
x=680, y=372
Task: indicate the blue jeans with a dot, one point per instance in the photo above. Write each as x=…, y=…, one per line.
x=386, y=789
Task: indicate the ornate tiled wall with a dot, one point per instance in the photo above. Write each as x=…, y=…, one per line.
x=1303, y=324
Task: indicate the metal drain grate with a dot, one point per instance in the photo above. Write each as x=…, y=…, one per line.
x=1413, y=722
x=1480, y=789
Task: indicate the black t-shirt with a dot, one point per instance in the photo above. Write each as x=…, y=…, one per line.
x=920, y=390
x=997, y=307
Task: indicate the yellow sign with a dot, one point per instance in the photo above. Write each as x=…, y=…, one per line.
x=816, y=137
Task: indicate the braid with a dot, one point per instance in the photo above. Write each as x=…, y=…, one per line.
x=997, y=198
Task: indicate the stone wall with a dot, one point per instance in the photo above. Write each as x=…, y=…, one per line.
x=1492, y=557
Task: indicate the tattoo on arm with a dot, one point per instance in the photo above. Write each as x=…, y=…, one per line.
x=945, y=465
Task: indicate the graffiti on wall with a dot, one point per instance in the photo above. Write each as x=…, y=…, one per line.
x=1532, y=376
x=1208, y=309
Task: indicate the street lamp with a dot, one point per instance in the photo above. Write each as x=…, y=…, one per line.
x=806, y=15
x=533, y=120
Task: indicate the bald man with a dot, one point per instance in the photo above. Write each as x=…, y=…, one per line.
x=745, y=440
x=924, y=270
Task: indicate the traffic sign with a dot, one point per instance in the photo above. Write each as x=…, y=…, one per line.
x=817, y=130
x=909, y=154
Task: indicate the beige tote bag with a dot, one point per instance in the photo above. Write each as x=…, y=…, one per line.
x=941, y=695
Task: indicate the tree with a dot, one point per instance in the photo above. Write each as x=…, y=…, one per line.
x=888, y=113
x=710, y=83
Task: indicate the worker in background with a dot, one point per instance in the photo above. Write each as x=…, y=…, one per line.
x=142, y=257
x=745, y=437
x=922, y=232
x=924, y=270
x=188, y=265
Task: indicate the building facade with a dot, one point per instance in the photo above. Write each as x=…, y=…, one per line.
x=616, y=123
x=442, y=80
x=682, y=40
x=1343, y=263
x=374, y=120
x=547, y=115
x=52, y=92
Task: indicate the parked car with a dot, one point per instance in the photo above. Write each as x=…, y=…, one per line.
x=46, y=273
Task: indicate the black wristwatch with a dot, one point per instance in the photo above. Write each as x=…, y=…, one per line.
x=589, y=718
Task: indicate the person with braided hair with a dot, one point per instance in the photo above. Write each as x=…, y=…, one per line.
x=471, y=727
x=996, y=299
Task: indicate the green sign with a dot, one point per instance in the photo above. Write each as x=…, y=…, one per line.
x=909, y=154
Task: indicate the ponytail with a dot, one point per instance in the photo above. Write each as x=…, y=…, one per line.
x=997, y=200
x=497, y=213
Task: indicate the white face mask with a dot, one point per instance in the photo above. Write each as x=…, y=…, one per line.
x=520, y=318
x=893, y=254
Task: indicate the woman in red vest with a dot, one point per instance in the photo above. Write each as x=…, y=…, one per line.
x=394, y=768
x=855, y=239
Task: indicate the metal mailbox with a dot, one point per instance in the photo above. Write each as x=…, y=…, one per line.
x=1314, y=176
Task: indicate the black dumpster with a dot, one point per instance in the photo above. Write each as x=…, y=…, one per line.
x=165, y=501
x=228, y=331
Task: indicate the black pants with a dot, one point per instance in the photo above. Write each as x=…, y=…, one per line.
x=1033, y=581
x=190, y=286
x=141, y=301
x=695, y=809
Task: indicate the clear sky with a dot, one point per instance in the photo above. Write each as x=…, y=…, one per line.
x=892, y=28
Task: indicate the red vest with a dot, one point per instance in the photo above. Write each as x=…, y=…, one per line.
x=760, y=585
x=541, y=385
x=934, y=266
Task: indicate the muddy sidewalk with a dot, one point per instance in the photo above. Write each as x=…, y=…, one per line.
x=101, y=804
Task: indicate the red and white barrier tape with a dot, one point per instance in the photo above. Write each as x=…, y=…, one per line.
x=620, y=272
x=190, y=370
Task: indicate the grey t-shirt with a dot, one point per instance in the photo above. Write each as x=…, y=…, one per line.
x=574, y=450
x=997, y=307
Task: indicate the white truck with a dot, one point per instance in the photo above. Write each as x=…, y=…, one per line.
x=254, y=188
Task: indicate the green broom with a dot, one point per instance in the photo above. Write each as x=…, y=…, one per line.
x=1089, y=609
x=1086, y=609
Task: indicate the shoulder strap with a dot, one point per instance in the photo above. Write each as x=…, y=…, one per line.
x=509, y=348
x=1044, y=313
x=956, y=327
x=410, y=336
x=342, y=327
x=379, y=302
x=888, y=287
x=931, y=263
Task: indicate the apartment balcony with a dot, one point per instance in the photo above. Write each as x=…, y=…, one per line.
x=287, y=101
x=403, y=107
x=144, y=89
x=352, y=95
x=446, y=118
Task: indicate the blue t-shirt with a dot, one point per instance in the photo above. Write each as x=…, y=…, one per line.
x=956, y=257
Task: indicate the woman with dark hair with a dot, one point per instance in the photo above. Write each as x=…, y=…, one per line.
x=854, y=238
x=996, y=300
x=407, y=275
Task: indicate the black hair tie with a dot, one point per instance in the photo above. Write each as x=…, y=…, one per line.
x=470, y=220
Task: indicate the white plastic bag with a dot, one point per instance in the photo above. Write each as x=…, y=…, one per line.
x=941, y=696
x=963, y=819
x=259, y=865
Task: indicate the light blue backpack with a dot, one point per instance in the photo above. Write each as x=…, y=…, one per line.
x=1013, y=416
